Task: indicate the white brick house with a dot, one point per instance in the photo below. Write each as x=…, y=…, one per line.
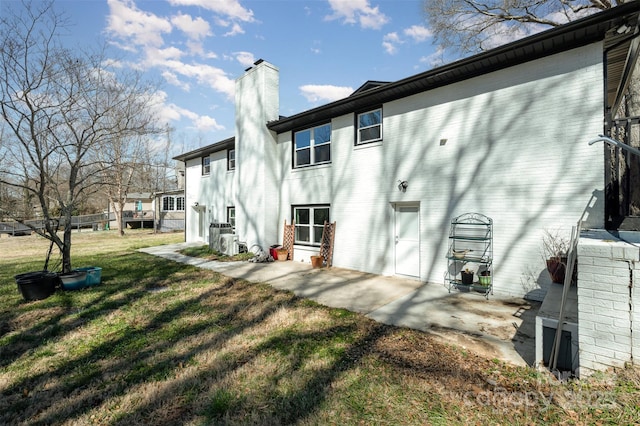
x=503, y=133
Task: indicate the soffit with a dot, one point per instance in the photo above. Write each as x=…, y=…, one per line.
x=594, y=28
x=207, y=150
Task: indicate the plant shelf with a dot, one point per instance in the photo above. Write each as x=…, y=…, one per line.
x=471, y=233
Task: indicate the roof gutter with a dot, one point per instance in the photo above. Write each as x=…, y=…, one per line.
x=584, y=31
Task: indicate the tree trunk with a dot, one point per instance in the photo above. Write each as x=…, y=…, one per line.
x=65, y=250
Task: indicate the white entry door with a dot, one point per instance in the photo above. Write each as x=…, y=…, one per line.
x=202, y=224
x=407, y=239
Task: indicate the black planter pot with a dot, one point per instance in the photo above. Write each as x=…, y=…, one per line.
x=36, y=285
x=467, y=278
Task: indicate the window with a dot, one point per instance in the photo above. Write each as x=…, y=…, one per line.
x=231, y=159
x=138, y=204
x=172, y=203
x=206, y=165
x=312, y=146
x=231, y=216
x=369, y=127
x=309, y=223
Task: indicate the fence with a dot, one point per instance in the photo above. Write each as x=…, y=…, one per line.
x=94, y=221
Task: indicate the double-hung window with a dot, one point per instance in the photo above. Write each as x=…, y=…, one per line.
x=172, y=203
x=231, y=159
x=206, y=165
x=369, y=127
x=231, y=216
x=312, y=146
x=309, y=223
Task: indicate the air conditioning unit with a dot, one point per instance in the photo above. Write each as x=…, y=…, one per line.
x=229, y=244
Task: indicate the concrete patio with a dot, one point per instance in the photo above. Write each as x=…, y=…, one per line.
x=500, y=328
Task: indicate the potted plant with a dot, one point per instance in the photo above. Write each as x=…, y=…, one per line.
x=283, y=253
x=485, y=278
x=555, y=248
x=467, y=276
x=317, y=261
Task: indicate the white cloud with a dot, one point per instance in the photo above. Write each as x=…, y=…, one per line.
x=230, y=8
x=205, y=75
x=172, y=112
x=326, y=93
x=390, y=42
x=130, y=23
x=357, y=11
x=195, y=29
x=235, y=29
x=246, y=59
x=206, y=123
x=157, y=57
x=173, y=79
x=436, y=59
x=418, y=33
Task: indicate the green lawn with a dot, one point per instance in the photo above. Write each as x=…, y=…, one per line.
x=165, y=343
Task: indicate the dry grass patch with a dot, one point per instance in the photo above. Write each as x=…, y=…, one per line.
x=164, y=343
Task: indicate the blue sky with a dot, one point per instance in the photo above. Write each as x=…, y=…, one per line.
x=325, y=49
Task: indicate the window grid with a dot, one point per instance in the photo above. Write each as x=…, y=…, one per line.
x=369, y=127
x=231, y=216
x=312, y=146
x=171, y=203
x=231, y=159
x=309, y=224
x=206, y=166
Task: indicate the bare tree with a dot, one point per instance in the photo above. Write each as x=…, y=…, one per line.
x=121, y=162
x=59, y=110
x=470, y=26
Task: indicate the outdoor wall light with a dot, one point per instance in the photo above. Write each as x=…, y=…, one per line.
x=402, y=185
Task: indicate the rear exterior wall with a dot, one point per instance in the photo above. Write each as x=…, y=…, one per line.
x=515, y=149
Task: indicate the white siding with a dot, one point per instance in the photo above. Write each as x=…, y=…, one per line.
x=516, y=151
x=213, y=193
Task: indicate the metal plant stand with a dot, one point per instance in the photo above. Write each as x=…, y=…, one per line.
x=470, y=254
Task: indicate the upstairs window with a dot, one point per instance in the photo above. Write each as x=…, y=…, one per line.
x=309, y=223
x=312, y=146
x=369, y=127
x=231, y=159
x=206, y=165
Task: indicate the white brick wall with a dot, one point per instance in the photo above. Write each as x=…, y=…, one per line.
x=516, y=151
x=257, y=170
x=213, y=193
x=608, y=302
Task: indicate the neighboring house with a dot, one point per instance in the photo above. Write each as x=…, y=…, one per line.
x=138, y=211
x=169, y=210
x=503, y=133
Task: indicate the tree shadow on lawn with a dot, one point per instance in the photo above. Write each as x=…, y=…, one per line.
x=212, y=350
x=130, y=362
x=49, y=318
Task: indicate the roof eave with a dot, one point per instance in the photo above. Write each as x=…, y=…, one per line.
x=569, y=36
x=207, y=150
